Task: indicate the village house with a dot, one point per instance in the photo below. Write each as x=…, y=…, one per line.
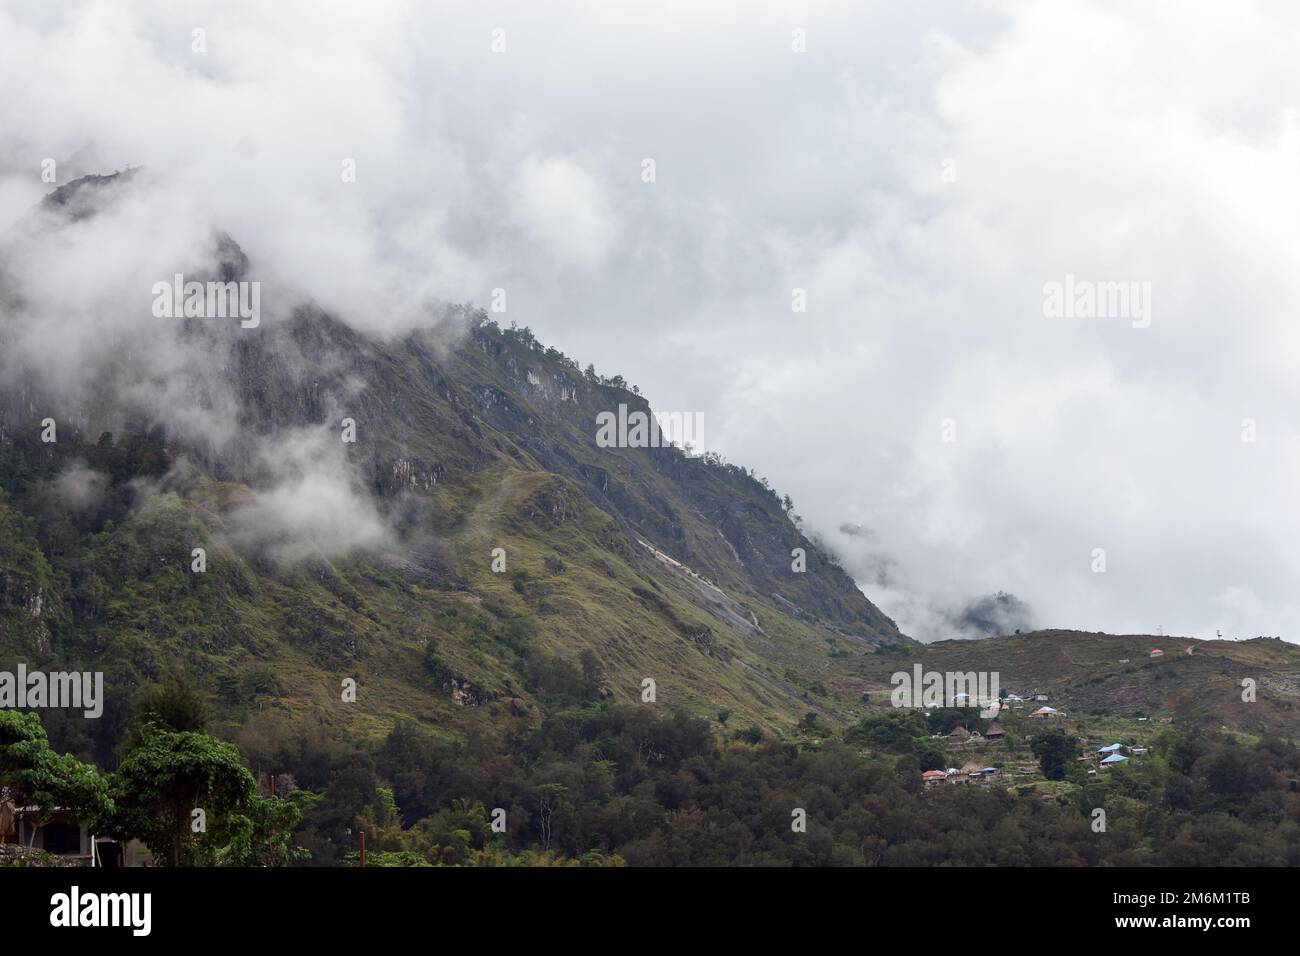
x=1045, y=712
x=994, y=732
x=932, y=777
x=62, y=835
x=969, y=772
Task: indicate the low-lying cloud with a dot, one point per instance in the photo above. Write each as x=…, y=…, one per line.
x=313, y=505
x=919, y=172
x=80, y=488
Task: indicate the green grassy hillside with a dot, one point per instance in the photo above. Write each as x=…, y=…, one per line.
x=1087, y=674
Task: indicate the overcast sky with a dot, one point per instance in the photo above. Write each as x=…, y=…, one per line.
x=921, y=170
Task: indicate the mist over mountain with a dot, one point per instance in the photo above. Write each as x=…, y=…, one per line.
x=994, y=614
x=940, y=172
x=309, y=448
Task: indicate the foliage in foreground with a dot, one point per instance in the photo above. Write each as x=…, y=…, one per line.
x=186, y=795
x=614, y=785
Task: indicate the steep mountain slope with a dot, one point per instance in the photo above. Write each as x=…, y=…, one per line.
x=374, y=559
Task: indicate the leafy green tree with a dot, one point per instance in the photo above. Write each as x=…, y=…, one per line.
x=262, y=835
x=452, y=836
x=35, y=775
x=169, y=775
x=592, y=672
x=175, y=704
x=895, y=731
x=1056, y=752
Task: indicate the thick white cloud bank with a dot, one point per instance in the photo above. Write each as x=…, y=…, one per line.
x=920, y=171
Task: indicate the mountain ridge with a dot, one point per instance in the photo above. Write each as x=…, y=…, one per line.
x=469, y=438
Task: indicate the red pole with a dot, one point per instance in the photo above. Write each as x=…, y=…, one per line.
x=361, y=835
x=273, y=785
